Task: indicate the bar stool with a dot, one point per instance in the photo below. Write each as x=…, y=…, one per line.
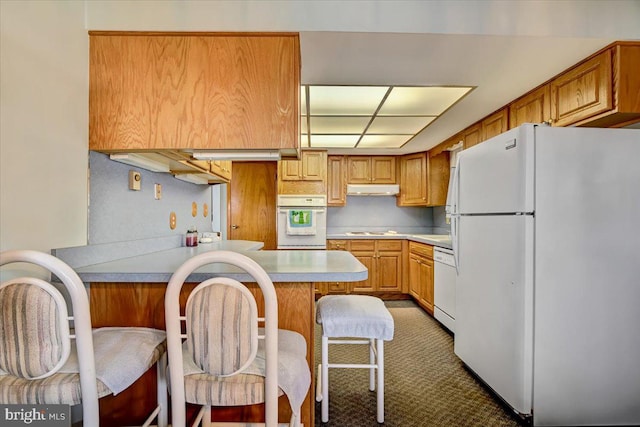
x=344, y=317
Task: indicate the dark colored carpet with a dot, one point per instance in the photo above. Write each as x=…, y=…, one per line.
x=425, y=383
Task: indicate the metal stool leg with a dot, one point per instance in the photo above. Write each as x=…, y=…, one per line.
x=372, y=361
x=380, y=359
x=325, y=380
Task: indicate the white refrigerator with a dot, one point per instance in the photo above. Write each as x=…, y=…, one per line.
x=546, y=236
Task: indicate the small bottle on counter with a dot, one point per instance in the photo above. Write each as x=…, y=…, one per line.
x=192, y=237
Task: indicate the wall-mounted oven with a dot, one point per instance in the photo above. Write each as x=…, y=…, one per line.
x=302, y=222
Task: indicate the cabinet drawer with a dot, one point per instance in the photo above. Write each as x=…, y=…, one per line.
x=337, y=245
x=421, y=249
x=337, y=287
x=363, y=245
x=389, y=245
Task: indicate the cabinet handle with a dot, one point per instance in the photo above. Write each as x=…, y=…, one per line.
x=235, y=227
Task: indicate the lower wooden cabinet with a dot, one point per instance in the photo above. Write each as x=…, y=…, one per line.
x=421, y=274
x=383, y=259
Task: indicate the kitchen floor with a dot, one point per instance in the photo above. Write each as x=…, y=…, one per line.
x=425, y=383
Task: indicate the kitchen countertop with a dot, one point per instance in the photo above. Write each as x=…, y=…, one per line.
x=440, y=240
x=281, y=265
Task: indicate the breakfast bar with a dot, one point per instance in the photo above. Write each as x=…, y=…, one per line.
x=130, y=292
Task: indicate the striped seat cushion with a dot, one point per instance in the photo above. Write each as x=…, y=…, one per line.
x=33, y=327
x=56, y=389
x=238, y=390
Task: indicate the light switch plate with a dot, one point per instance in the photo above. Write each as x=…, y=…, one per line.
x=158, y=191
x=134, y=180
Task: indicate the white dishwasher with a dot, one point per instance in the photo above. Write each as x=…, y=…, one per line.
x=444, y=293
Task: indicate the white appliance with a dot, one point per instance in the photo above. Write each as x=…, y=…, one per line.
x=302, y=221
x=546, y=234
x=444, y=292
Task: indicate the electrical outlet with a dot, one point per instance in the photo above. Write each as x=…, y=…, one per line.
x=158, y=191
x=134, y=180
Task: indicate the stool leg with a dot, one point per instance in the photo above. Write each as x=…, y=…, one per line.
x=380, y=348
x=372, y=361
x=325, y=380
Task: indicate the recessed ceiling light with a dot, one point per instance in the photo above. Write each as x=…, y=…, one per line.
x=345, y=100
x=399, y=125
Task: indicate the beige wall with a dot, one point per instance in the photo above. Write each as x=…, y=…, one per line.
x=43, y=124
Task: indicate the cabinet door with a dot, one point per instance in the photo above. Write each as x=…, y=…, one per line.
x=314, y=165
x=534, y=107
x=290, y=170
x=358, y=170
x=414, y=276
x=472, y=136
x=368, y=260
x=383, y=170
x=413, y=180
x=426, y=284
x=221, y=168
x=495, y=124
x=582, y=92
x=131, y=104
x=389, y=271
x=336, y=186
x=438, y=171
x=252, y=92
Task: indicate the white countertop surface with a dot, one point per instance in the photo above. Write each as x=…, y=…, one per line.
x=281, y=265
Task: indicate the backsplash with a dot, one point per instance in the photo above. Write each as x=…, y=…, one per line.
x=118, y=214
x=439, y=221
x=378, y=213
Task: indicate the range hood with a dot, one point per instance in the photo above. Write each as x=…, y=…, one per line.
x=372, y=189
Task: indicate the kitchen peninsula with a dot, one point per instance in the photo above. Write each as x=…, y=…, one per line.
x=130, y=292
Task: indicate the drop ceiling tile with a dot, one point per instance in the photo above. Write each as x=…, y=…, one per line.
x=339, y=125
x=334, y=141
x=383, y=141
x=345, y=100
x=421, y=101
x=398, y=125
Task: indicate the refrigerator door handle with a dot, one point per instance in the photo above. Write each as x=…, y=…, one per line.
x=455, y=213
x=454, y=240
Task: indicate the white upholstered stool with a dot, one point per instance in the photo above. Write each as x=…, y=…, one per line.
x=353, y=316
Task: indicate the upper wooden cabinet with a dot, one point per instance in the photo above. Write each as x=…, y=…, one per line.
x=221, y=168
x=157, y=91
x=438, y=171
x=413, y=180
x=371, y=170
x=312, y=166
x=472, y=136
x=336, y=181
x=602, y=91
x=305, y=176
x=583, y=91
x=534, y=107
x=495, y=124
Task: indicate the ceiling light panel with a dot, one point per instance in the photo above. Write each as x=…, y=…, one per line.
x=421, y=101
x=383, y=141
x=345, y=100
x=334, y=141
x=339, y=125
x=398, y=125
